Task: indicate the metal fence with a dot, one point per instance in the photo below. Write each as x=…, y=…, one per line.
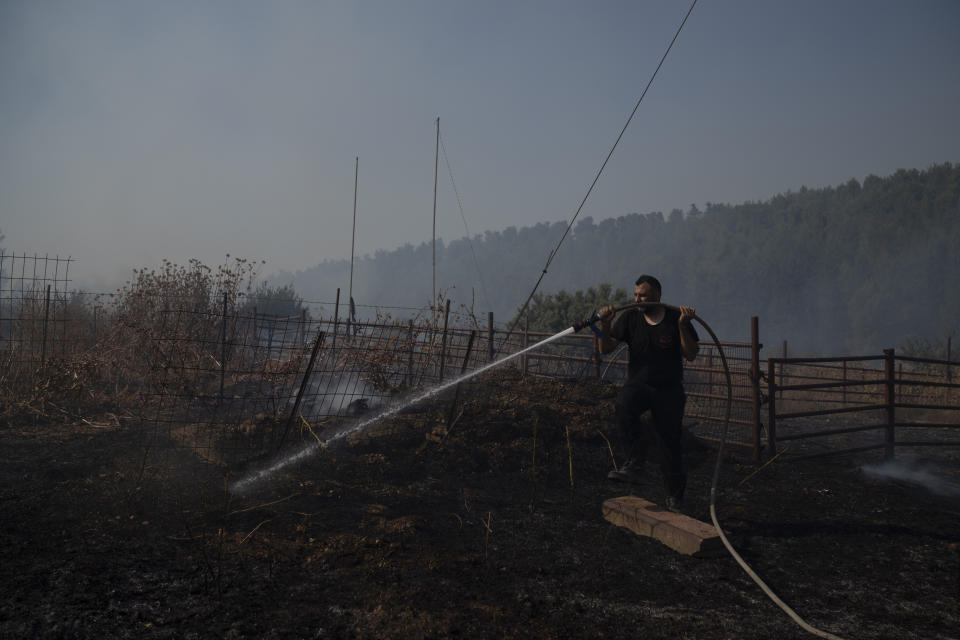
x=826, y=406
x=211, y=372
x=577, y=356
x=34, y=317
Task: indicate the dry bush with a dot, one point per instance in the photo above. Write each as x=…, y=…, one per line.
x=111, y=355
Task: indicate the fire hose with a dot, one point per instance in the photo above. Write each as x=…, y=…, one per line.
x=592, y=323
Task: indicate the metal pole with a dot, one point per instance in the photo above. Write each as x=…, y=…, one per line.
x=443, y=339
x=451, y=417
x=949, y=368
x=410, y=357
x=223, y=349
x=303, y=387
x=772, y=405
x=844, y=388
x=303, y=327
x=783, y=367
x=890, y=401
x=526, y=343
x=490, y=334
x=436, y=159
x=596, y=356
x=353, y=238
x=754, y=381
x=336, y=319
x=46, y=319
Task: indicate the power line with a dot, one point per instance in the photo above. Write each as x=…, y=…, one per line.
x=476, y=264
x=597, y=177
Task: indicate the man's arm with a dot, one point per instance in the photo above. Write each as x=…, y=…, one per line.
x=688, y=344
x=606, y=342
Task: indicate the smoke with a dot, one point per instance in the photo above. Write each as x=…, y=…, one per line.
x=917, y=473
x=339, y=395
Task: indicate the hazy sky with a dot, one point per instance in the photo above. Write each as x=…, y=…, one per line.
x=132, y=131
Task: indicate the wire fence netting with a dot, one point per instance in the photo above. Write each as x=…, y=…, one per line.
x=191, y=362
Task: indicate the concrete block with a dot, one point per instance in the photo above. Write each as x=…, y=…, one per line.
x=680, y=532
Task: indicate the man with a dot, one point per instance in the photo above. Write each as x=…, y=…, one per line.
x=658, y=339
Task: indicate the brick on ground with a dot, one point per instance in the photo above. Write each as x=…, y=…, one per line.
x=680, y=532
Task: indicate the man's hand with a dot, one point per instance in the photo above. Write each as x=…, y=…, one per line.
x=688, y=345
x=606, y=344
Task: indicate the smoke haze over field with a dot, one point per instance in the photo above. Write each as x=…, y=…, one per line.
x=137, y=131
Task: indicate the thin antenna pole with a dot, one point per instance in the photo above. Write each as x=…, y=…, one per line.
x=436, y=160
x=353, y=238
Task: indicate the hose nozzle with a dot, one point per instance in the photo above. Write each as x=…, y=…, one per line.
x=589, y=322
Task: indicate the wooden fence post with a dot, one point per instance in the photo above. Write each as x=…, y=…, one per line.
x=890, y=401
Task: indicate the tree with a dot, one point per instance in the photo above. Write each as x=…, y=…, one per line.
x=279, y=301
x=555, y=312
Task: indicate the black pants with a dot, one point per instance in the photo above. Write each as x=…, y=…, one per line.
x=662, y=434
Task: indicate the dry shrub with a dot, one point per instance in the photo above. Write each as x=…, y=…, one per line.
x=111, y=355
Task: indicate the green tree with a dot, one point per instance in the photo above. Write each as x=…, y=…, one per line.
x=555, y=312
x=280, y=301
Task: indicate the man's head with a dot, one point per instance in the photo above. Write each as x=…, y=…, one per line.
x=646, y=289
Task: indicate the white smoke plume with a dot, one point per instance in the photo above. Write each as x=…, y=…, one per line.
x=923, y=474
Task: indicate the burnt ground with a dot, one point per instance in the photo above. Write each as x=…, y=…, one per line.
x=402, y=533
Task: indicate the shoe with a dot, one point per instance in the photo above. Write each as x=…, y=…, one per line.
x=631, y=471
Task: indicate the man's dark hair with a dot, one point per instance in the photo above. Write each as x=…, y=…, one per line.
x=653, y=282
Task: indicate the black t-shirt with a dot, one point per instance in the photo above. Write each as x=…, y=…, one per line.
x=656, y=356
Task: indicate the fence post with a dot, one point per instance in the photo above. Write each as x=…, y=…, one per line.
x=526, y=342
x=443, y=339
x=451, y=415
x=772, y=405
x=336, y=320
x=596, y=356
x=782, y=368
x=754, y=381
x=46, y=319
x=410, y=355
x=303, y=387
x=303, y=327
x=949, y=368
x=890, y=401
x=256, y=333
x=843, y=391
x=490, y=334
x=710, y=370
x=223, y=349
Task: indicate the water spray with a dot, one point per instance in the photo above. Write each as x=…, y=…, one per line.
x=247, y=482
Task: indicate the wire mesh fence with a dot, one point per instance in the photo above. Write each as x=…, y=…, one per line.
x=34, y=318
x=194, y=360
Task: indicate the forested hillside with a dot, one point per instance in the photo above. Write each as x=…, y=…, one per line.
x=851, y=268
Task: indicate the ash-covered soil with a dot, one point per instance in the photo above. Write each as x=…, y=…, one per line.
x=493, y=530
